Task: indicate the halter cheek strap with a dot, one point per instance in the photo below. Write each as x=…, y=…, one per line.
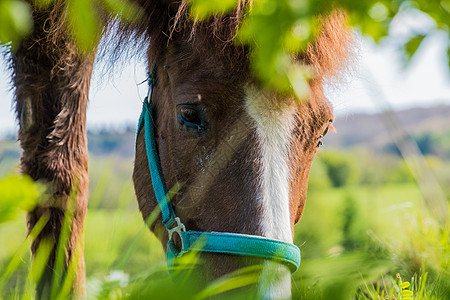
x=215, y=242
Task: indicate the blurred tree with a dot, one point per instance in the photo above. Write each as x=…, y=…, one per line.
x=340, y=167
x=273, y=28
x=349, y=213
x=425, y=143
x=354, y=225
x=429, y=143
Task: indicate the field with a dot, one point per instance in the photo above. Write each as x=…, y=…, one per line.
x=361, y=237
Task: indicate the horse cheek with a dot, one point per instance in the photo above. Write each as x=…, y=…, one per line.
x=299, y=186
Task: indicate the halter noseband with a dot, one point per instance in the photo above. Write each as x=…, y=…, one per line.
x=216, y=242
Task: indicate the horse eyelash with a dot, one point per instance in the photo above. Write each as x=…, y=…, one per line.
x=330, y=127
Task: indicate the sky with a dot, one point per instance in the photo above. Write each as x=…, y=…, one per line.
x=116, y=102
x=424, y=81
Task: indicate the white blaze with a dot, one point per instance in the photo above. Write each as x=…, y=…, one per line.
x=274, y=123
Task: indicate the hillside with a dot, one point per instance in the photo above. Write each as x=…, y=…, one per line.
x=429, y=126
x=106, y=142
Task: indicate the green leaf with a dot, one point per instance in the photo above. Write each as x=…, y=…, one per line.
x=15, y=21
x=42, y=4
x=407, y=293
x=126, y=10
x=299, y=77
x=412, y=45
x=84, y=24
x=16, y=193
x=268, y=31
x=20, y=252
x=404, y=285
x=241, y=278
x=41, y=258
x=202, y=9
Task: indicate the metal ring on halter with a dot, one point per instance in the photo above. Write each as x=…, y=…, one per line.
x=179, y=228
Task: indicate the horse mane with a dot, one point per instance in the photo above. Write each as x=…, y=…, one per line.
x=332, y=52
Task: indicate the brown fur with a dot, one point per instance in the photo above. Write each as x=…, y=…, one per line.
x=312, y=117
x=193, y=58
x=52, y=84
x=193, y=65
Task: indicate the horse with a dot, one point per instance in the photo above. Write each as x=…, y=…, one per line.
x=237, y=152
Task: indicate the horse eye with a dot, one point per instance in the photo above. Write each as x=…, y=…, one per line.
x=191, y=116
x=320, y=143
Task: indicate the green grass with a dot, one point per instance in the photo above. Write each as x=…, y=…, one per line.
x=111, y=235
x=354, y=241
x=374, y=232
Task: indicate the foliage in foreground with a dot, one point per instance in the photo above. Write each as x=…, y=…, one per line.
x=272, y=46
x=354, y=241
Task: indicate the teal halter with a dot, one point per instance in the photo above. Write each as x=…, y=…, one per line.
x=216, y=242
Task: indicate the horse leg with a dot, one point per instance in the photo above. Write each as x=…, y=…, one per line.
x=52, y=83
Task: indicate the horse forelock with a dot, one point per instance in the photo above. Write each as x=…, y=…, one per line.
x=161, y=23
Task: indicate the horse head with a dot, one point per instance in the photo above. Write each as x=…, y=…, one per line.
x=238, y=152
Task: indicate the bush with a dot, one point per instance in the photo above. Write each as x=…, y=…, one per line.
x=340, y=167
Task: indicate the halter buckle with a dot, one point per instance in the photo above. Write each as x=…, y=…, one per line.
x=178, y=228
